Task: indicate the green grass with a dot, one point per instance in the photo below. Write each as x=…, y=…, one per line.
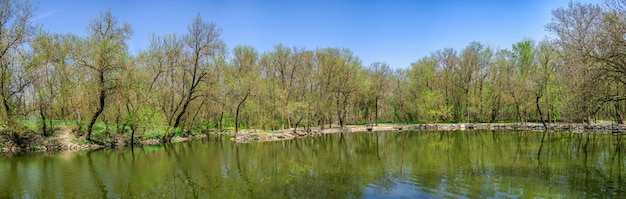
x=31, y=124
x=36, y=124
x=155, y=133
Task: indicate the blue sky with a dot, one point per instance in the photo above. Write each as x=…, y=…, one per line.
x=397, y=32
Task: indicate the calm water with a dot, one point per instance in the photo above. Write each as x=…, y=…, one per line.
x=478, y=164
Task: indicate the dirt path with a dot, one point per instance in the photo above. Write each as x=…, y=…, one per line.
x=65, y=137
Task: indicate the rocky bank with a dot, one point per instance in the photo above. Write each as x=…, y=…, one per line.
x=560, y=127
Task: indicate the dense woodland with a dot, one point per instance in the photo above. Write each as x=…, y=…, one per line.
x=194, y=82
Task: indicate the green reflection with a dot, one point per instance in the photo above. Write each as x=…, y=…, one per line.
x=473, y=164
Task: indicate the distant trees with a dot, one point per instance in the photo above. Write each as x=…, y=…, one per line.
x=191, y=83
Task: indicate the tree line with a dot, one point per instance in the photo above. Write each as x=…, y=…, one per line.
x=193, y=82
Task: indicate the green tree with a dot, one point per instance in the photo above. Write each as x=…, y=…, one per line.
x=243, y=76
x=105, y=55
x=16, y=31
x=379, y=76
x=577, y=28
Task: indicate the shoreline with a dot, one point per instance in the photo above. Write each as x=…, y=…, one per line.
x=66, y=142
x=536, y=127
x=71, y=146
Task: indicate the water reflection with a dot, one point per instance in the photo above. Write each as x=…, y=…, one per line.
x=472, y=164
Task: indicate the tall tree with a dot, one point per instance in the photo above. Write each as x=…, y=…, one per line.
x=542, y=74
x=16, y=30
x=106, y=54
x=283, y=69
x=577, y=27
x=201, y=44
x=380, y=74
x=50, y=73
x=243, y=78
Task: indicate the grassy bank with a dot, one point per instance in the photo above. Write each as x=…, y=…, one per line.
x=68, y=135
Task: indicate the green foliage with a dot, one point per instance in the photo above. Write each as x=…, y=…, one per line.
x=147, y=120
x=155, y=133
x=190, y=82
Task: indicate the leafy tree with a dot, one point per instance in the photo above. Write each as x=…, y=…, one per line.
x=105, y=56
x=16, y=31
x=380, y=74
x=243, y=76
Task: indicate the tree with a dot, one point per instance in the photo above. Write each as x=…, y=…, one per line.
x=50, y=75
x=105, y=55
x=16, y=30
x=284, y=69
x=380, y=74
x=457, y=81
x=474, y=64
x=398, y=101
x=243, y=77
x=425, y=86
x=577, y=28
x=540, y=77
x=181, y=66
x=523, y=64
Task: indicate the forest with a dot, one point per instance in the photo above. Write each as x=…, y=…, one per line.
x=195, y=83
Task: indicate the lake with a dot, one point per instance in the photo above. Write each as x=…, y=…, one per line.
x=423, y=164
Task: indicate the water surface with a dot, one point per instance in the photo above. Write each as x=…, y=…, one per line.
x=462, y=164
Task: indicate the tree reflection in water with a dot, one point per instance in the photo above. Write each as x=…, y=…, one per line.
x=473, y=164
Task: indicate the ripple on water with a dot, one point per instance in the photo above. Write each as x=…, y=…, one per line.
x=406, y=188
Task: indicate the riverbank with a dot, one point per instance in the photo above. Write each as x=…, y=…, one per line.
x=560, y=127
x=65, y=140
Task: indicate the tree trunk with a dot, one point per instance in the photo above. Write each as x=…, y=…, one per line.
x=540, y=114
x=44, y=128
x=519, y=114
x=132, y=135
x=237, y=112
x=168, y=138
x=97, y=113
x=618, y=115
x=79, y=123
x=282, y=119
x=221, y=123
x=376, y=112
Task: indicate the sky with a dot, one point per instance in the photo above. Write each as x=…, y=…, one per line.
x=398, y=32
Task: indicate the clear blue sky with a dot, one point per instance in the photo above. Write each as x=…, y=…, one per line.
x=397, y=32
